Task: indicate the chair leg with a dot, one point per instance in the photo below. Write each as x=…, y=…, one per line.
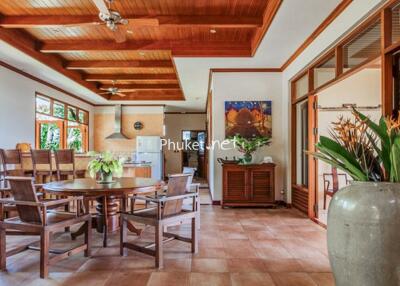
x=195, y=228
x=67, y=208
x=105, y=222
x=3, y=254
x=44, y=253
x=159, y=246
x=122, y=238
x=198, y=212
x=88, y=238
x=324, y=201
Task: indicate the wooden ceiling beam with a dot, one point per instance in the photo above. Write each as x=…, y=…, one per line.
x=177, y=48
x=130, y=77
x=24, y=42
x=151, y=95
x=133, y=87
x=76, y=65
x=215, y=21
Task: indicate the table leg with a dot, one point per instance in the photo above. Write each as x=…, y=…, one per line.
x=131, y=227
x=82, y=229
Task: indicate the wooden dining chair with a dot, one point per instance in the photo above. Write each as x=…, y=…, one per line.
x=331, y=183
x=35, y=219
x=11, y=162
x=168, y=211
x=42, y=165
x=65, y=158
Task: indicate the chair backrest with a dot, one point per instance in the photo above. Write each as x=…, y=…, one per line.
x=11, y=157
x=335, y=180
x=190, y=171
x=41, y=157
x=22, y=189
x=177, y=185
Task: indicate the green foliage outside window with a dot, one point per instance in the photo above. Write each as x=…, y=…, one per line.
x=49, y=136
x=59, y=110
x=75, y=139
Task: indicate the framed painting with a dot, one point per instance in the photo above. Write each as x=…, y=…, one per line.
x=248, y=118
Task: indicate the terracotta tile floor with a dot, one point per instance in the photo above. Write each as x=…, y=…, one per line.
x=237, y=247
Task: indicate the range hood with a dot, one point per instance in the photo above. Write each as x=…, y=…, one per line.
x=117, y=125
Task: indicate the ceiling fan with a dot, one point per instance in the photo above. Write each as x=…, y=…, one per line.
x=113, y=90
x=112, y=19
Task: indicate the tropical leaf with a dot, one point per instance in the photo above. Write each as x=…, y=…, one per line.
x=351, y=168
x=395, y=157
x=334, y=146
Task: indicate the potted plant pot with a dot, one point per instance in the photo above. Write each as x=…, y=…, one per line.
x=364, y=234
x=363, y=218
x=247, y=158
x=106, y=177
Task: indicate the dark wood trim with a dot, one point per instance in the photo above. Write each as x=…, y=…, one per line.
x=387, y=62
x=27, y=75
x=339, y=61
x=332, y=16
x=216, y=203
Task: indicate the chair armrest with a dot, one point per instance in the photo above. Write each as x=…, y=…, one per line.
x=39, y=204
x=14, y=202
x=196, y=186
x=165, y=198
x=60, y=201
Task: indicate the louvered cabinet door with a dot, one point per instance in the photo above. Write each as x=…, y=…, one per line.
x=261, y=187
x=235, y=184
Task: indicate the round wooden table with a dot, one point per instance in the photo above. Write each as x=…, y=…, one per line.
x=107, y=197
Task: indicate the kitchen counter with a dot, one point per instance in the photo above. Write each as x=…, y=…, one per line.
x=136, y=169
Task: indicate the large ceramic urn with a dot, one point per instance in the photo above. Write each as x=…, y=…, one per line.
x=364, y=234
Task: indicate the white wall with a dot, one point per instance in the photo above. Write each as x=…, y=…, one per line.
x=246, y=86
x=17, y=108
x=174, y=125
x=346, y=21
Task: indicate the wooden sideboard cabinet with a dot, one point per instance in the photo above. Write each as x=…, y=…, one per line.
x=248, y=185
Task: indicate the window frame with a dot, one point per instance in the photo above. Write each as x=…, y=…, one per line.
x=83, y=126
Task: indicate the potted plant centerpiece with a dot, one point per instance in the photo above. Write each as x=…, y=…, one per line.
x=363, y=218
x=106, y=166
x=248, y=146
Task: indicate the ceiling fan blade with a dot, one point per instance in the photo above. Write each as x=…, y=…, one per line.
x=120, y=34
x=121, y=94
x=101, y=5
x=104, y=92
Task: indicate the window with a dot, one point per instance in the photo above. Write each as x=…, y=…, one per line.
x=60, y=125
x=366, y=46
x=325, y=71
x=396, y=24
x=301, y=86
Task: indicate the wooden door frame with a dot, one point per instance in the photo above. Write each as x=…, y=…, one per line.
x=388, y=48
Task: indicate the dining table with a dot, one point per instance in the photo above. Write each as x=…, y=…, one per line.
x=111, y=199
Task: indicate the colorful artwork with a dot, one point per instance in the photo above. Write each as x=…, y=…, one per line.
x=248, y=118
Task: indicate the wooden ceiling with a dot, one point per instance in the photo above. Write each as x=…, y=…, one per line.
x=136, y=57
